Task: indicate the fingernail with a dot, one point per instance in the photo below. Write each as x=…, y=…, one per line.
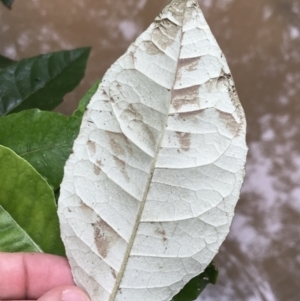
x=70, y=295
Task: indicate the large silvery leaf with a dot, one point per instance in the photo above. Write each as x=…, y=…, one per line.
x=149, y=193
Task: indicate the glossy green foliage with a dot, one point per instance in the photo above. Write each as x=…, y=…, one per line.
x=27, y=205
x=44, y=139
x=7, y=3
x=193, y=289
x=28, y=219
x=5, y=62
x=42, y=81
x=85, y=100
x=12, y=237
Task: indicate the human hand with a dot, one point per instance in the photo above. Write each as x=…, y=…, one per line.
x=37, y=276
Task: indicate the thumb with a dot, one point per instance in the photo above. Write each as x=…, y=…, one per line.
x=65, y=293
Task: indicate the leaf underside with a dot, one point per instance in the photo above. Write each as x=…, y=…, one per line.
x=149, y=193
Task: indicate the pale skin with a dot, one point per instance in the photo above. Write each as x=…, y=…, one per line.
x=36, y=276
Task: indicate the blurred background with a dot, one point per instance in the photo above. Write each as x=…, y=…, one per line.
x=260, y=260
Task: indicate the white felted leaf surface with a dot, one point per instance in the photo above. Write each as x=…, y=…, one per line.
x=149, y=192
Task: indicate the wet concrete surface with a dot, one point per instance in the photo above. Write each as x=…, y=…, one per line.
x=260, y=260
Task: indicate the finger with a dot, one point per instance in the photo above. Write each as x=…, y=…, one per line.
x=31, y=275
x=62, y=293
x=65, y=293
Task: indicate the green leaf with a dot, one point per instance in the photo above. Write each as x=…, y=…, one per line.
x=44, y=139
x=5, y=62
x=7, y=3
x=27, y=205
x=86, y=99
x=12, y=237
x=194, y=288
x=57, y=194
x=42, y=81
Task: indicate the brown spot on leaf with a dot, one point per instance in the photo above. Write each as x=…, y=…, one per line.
x=133, y=58
x=104, y=237
x=131, y=113
x=189, y=64
x=97, y=170
x=162, y=233
x=184, y=140
x=229, y=122
x=176, y=8
x=165, y=33
x=211, y=84
x=235, y=99
x=227, y=80
x=224, y=78
x=185, y=96
x=113, y=272
x=91, y=147
x=216, y=83
x=122, y=166
x=151, y=48
x=98, y=167
x=117, y=142
x=189, y=12
x=99, y=163
x=191, y=115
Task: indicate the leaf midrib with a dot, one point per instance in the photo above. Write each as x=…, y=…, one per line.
x=143, y=202
x=42, y=149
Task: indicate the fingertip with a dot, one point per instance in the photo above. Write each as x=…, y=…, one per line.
x=65, y=293
x=74, y=294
